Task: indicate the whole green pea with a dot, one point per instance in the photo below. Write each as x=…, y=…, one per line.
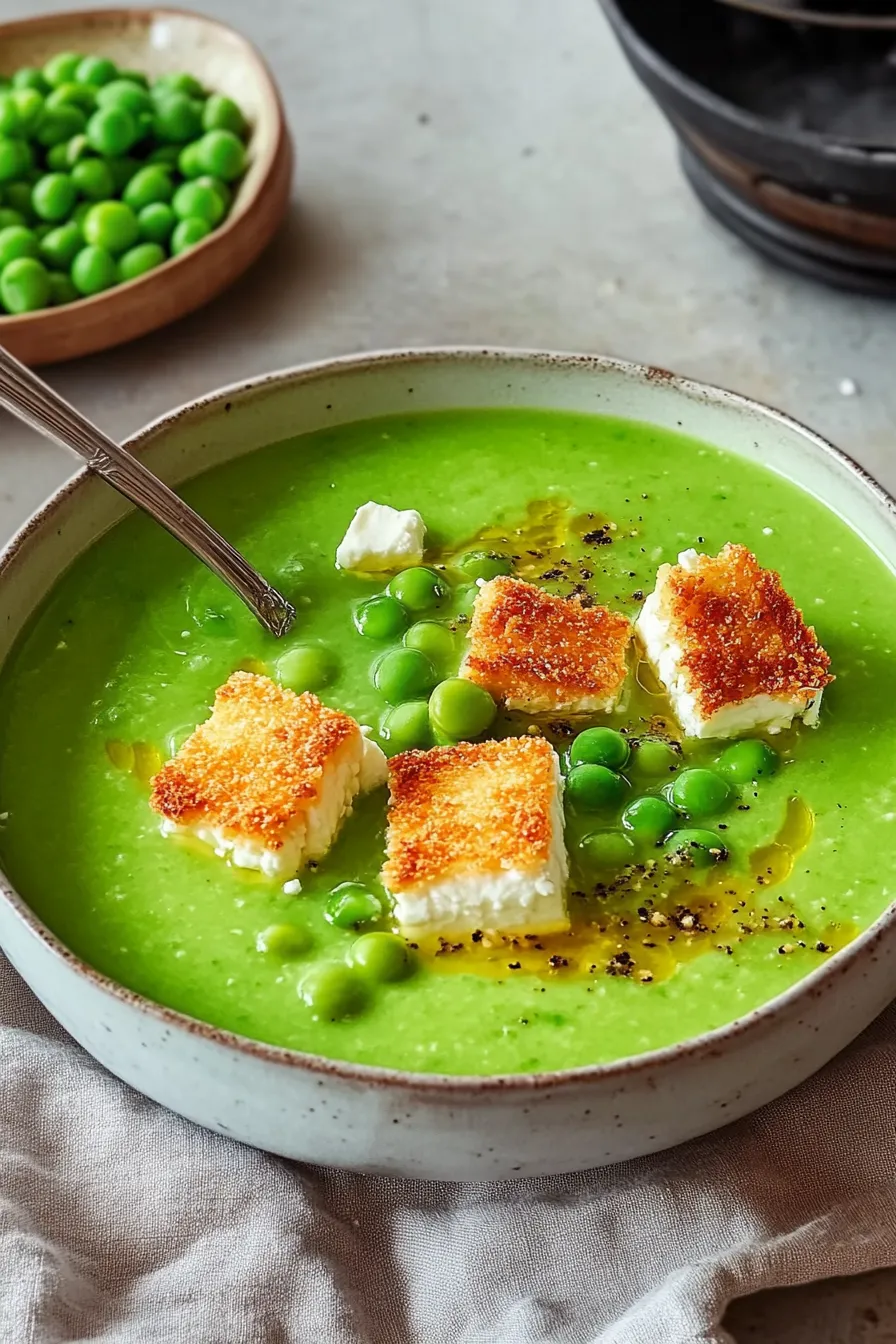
x=156, y=222
x=406, y=727
x=30, y=107
x=139, y=260
x=654, y=757
x=748, y=761
x=53, y=197
x=380, y=617
x=17, y=241
x=695, y=848
x=111, y=225
x=193, y=200
x=599, y=746
x=217, y=185
x=700, y=793
x=333, y=991
x=59, y=124
x=221, y=113
x=306, y=667
x=188, y=161
x=93, y=179
x=60, y=69
x=606, y=851
x=484, y=564
x=24, y=285
x=649, y=819
x=62, y=290
x=15, y=158
x=94, y=270
x=95, y=70
x=416, y=588
x=403, y=674
x=459, y=709
x=76, y=149
x=177, y=119
x=178, y=81
x=283, y=940
x=221, y=153
x=382, y=956
x=187, y=233
x=433, y=639
x=29, y=77
x=111, y=131
x=10, y=122
x=149, y=185
x=351, y=904
x=125, y=94
x=73, y=95
x=594, y=788
x=61, y=245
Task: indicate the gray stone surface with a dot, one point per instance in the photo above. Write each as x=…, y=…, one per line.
x=472, y=173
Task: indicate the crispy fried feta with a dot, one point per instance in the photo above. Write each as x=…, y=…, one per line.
x=545, y=654
x=382, y=538
x=475, y=838
x=269, y=778
x=730, y=646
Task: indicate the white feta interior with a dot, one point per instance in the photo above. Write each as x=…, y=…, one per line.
x=382, y=538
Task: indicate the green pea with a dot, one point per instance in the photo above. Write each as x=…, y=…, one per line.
x=61, y=289
x=406, y=727
x=649, y=819
x=73, y=95
x=134, y=77
x=188, y=161
x=79, y=213
x=59, y=124
x=654, y=757
x=417, y=588
x=61, y=245
x=24, y=285
x=221, y=154
x=745, y=762
x=59, y=69
x=53, y=197
x=125, y=95
x=484, y=564
x=222, y=114
x=599, y=746
x=149, y=185
x=306, y=667
x=283, y=940
x=17, y=241
x=380, y=617
x=178, y=82
x=11, y=219
x=165, y=154
x=177, y=119
x=15, y=159
x=193, y=200
x=460, y=709
x=30, y=108
x=217, y=185
x=608, y=851
x=139, y=260
x=76, y=149
x=96, y=70
x=382, y=956
x=351, y=904
x=93, y=179
x=111, y=131
x=156, y=222
x=112, y=225
x=433, y=639
x=94, y=270
x=695, y=848
x=593, y=788
x=700, y=793
x=403, y=674
x=333, y=992
x=123, y=167
x=30, y=78
x=10, y=121
x=187, y=233
x=465, y=598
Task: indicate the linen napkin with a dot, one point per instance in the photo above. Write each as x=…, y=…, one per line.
x=123, y=1224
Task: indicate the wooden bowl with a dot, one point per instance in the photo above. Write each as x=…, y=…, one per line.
x=156, y=41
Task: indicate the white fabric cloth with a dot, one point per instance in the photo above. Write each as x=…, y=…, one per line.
x=122, y=1224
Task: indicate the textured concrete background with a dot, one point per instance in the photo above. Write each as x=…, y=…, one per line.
x=473, y=172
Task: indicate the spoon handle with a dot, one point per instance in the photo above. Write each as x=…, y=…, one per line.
x=34, y=401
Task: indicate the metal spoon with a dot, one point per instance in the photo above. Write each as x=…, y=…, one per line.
x=35, y=402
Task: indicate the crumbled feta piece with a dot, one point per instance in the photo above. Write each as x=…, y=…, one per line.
x=382, y=538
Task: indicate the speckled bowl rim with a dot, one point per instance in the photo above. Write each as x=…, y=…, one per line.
x=706, y=1045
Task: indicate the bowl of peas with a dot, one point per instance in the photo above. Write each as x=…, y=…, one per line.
x=145, y=163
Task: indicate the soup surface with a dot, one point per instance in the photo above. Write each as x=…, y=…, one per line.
x=124, y=657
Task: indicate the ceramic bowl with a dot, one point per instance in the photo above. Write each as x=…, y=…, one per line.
x=156, y=41
x=381, y=1120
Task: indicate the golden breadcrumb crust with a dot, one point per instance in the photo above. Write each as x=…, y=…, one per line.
x=255, y=764
x=474, y=807
x=528, y=645
x=740, y=632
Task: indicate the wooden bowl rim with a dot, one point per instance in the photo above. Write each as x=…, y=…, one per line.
x=219, y=236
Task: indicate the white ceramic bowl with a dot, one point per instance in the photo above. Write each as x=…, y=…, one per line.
x=380, y=1120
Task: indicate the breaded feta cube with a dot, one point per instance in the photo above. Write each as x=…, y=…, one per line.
x=382, y=538
x=475, y=838
x=730, y=646
x=545, y=654
x=269, y=778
